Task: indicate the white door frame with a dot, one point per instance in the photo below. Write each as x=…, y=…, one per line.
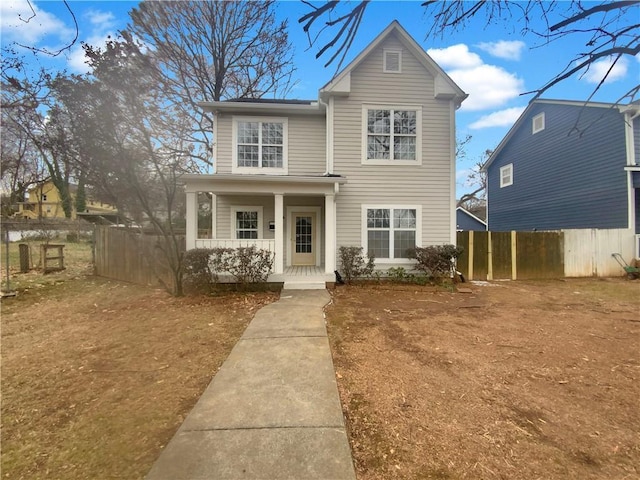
x=318, y=237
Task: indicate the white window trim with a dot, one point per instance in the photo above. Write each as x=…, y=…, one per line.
x=535, y=130
x=365, y=238
x=418, y=110
x=241, y=208
x=260, y=170
x=510, y=182
x=384, y=60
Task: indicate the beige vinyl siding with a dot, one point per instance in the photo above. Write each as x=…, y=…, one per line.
x=428, y=184
x=307, y=143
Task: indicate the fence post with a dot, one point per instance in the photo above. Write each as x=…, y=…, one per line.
x=489, y=258
x=470, y=256
x=514, y=256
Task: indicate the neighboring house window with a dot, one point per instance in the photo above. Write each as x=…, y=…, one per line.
x=389, y=232
x=506, y=175
x=391, y=135
x=246, y=222
x=392, y=61
x=537, y=124
x=44, y=197
x=260, y=145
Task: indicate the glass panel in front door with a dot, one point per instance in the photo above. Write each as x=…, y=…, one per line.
x=304, y=234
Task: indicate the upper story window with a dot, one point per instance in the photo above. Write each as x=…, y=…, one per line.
x=392, y=62
x=537, y=124
x=506, y=175
x=260, y=145
x=391, y=135
x=44, y=197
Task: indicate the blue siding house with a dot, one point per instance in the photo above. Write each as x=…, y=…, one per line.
x=467, y=221
x=567, y=165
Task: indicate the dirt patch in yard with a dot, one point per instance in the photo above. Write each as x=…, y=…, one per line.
x=97, y=375
x=515, y=380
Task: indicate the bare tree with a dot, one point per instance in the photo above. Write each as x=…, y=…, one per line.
x=610, y=30
x=477, y=180
x=209, y=51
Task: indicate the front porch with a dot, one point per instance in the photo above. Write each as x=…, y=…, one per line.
x=293, y=217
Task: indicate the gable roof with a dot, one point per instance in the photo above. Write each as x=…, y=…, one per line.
x=467, y=212
x=524, y=115
x=445, y=87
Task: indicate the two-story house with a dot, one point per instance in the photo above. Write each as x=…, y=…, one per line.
x=567, y=165
x=44, y=201
x=370, y=163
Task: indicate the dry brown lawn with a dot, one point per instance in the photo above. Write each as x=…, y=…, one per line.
x=97, y=375
x=519, y=380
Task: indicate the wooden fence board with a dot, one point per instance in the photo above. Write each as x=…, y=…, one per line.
x=540, y=255
x=132, y=256
x=501, y=254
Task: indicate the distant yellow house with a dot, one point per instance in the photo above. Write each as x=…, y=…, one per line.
x=43, y=201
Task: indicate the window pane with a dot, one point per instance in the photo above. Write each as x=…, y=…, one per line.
x=378, y=147
x=246, y=225
x=379, y=121
x=248, y=155
x=248, y=132
x=404, y=122
x=402, y=241
x=377, y=218
x=378, y=243
x=272, y=157
x=404, y=218
x=272, y=134
x=404, y=148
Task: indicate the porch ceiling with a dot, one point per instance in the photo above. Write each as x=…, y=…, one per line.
x=263, y=184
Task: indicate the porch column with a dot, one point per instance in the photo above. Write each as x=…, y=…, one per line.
x=214, y=215
x=192, y=219
x=329, y=233
x=278, y=266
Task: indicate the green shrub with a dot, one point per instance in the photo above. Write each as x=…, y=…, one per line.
x=245, y=264
x=198, y=275
x=436, y=262
x=354, y=264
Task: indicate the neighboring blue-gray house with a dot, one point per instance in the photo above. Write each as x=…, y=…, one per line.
x=467, y=221
x=567, y=165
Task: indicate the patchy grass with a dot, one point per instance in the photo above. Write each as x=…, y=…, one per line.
x=97, y=375
x=78, y=261
x=518, y=380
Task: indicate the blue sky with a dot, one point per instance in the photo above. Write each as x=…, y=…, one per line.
x=493, y=64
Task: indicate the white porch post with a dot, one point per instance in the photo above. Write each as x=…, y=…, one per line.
x=278, y=266
x=192, y=219
x=214, y=215
x=329, y=233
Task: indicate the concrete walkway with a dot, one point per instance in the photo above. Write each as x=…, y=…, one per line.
x=272, y=411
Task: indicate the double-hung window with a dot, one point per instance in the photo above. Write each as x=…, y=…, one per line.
x=246, y=222
x=392, y=135
x=389, y=232
x=260, y=145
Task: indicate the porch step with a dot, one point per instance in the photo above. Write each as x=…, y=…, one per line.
x=304, y=285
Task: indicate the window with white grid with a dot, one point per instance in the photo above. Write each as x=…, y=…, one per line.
x=260, y=144
x=391, y=135
x=246, y=222
x=389, y=232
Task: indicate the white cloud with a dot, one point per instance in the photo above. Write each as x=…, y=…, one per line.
x=488, y=86
x=599, y=69
x=501, y=118
x=509, y=50
x=20, y=23
x=104, y=20
x=103, y=24
x=455, y=56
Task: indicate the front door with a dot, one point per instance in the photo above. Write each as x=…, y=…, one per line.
x=303, y=248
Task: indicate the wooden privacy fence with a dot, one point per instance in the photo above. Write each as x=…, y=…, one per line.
x=556, y=254
x=132, y=256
